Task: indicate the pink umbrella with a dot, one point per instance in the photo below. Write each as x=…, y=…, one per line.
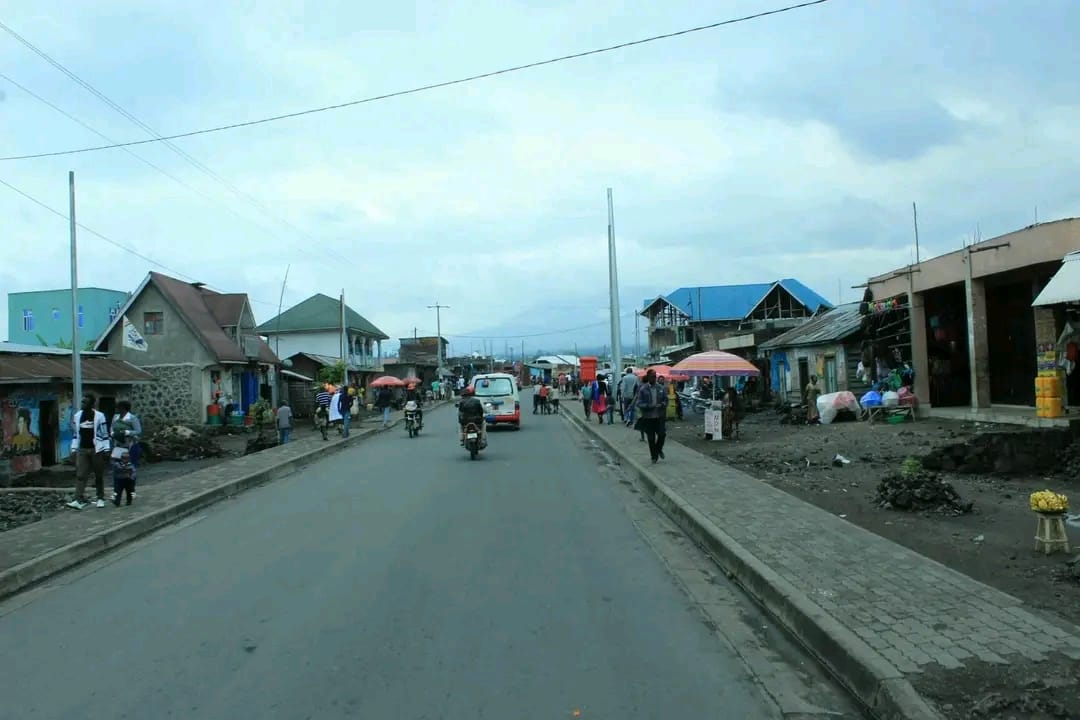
x=715, y=362
x=386, y=381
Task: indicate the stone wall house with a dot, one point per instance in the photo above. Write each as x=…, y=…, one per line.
x=198, y=344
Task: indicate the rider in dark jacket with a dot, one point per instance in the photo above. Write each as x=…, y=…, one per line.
x=471, y=410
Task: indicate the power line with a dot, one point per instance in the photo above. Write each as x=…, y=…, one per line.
x=419, y=89
x=115, y=243
x=199, y=165
x=132, y=153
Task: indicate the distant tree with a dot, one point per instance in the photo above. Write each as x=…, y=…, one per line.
x=335, y=374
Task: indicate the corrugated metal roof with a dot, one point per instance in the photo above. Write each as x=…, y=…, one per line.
x=319, y=312
x=16, y=369
x=1064, y=287
x=836, y=324
x=7, y=347
x=734, y=302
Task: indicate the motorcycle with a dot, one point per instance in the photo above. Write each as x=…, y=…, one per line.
x=412, y=418
x=472, y=440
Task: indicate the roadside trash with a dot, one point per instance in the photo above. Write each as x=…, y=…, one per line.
x=978, y=538
x=920, y=491
x=840, y=460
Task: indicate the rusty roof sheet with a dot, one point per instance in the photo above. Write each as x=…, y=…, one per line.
x=17, y=369
x=834, y=325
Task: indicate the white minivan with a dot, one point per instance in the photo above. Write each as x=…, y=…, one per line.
x=499, y=394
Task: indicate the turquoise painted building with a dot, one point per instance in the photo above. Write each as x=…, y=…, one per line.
x=43, y=317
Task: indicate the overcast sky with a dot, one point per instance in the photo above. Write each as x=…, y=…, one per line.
x=791, y=146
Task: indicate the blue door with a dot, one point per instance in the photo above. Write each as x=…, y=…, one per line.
x=249, y=389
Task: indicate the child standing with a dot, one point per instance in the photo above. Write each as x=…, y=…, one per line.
x=123, y=468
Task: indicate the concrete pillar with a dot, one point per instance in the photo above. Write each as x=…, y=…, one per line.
x=920, y=361
x=978, y=346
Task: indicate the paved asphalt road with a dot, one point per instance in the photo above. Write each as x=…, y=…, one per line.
x=394, y=580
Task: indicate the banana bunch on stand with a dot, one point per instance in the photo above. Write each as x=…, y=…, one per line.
x=1048, y=501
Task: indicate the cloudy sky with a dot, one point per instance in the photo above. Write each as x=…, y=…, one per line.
x=791, y=146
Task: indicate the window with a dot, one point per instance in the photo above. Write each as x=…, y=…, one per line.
x=28, y=320
x=153, y=323
x=82, y=317
x=493, y=386
x=56, y=313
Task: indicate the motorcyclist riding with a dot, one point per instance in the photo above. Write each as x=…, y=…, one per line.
x=414, y=395
x=471, y=410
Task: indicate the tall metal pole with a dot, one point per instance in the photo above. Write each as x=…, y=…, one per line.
x=438, y=339
x=915, y=218
x=613, y=282
x=342, y=338
x=637, y=339
x=76, y=359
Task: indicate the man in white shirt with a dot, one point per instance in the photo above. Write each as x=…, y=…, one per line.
x=90, y=443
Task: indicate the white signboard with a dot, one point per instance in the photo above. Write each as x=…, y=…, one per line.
x=714, y=424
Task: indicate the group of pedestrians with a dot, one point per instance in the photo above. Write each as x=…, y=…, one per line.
x=642, y=405
x=97, y=442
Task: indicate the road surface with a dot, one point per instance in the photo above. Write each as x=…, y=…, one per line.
x=394, y=580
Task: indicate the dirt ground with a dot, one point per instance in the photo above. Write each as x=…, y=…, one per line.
x=994, y=543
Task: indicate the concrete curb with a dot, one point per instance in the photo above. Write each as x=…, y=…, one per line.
x=870, y=678
x=16, y=579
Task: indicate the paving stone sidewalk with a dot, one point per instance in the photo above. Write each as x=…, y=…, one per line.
x=913, y=611
x=30, y=541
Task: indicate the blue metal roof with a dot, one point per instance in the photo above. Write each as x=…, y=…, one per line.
x=735, y=302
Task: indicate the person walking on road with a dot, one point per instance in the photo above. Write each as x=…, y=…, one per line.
x=322, y=411
x=599, y=397
x=284, y=423
x=652, y=402
x=628, y=387
x=536, y=397
x=90, y=444
x=345, y=408
x=383, y=401
x=586, y=398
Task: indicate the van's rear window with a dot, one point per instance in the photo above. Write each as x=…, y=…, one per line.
x=490, y=387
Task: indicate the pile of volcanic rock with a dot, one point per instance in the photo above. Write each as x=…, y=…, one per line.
x=20, y=507
x=920, y=492
x=181, y=443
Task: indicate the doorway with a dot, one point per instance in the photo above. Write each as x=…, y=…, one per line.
x=48, y=431
x=107, y=406
x=804, y=374
x=830, y=374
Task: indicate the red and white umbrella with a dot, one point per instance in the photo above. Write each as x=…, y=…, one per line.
x=386, y=381
x=715, y=362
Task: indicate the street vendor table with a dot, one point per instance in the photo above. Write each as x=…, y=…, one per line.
x=881, y=412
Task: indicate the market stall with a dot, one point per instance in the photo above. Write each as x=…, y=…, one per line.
x=713, y=364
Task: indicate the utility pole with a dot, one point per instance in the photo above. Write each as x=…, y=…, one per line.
x=915, y=219
x=637, y=339
x=274, y=389
x=76, y=359
x=613, y=282
x=438, y=340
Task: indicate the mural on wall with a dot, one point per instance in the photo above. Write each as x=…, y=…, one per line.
x=20, y=431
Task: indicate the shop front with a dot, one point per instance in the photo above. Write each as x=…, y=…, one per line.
x=36, y=405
